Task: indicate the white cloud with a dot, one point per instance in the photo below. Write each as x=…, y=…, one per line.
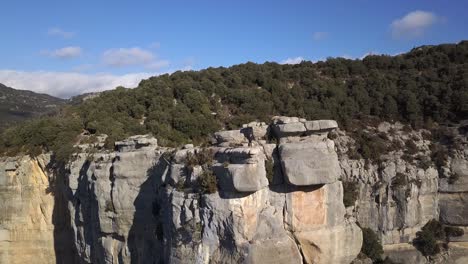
x=83, y=67
x=60, y=33
x=135, y=56
x=413, y=24
x=320, y=35
x=295, y=60
x=127, y=57
x=67, y=84
x=64, y=53
x=346, y=56
x=157, y=64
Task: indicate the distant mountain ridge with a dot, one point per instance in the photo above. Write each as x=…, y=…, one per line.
x=19, y=105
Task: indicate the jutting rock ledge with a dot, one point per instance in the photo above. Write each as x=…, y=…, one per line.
x=276, y=202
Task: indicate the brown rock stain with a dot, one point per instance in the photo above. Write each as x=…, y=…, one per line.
x=308, y=209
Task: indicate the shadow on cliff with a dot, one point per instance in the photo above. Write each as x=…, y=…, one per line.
x=145, y=238
x=65, y=250
x=67, y=239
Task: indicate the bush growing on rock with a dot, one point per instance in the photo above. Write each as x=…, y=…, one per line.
x=371, y=246
x=270, y=169
x=400, y=180
x=434, y=236
x=427, y=240
x=208, y=182
x=200, y=157
x=439, y=155
x=411, y=147
x=350, y=193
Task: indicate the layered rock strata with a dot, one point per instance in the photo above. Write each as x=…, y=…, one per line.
x=276, y=202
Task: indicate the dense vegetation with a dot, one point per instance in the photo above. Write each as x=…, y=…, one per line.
x=428, y=84
x=371, y=245
x=434, y=237
x=350, y=193
x=19, y=105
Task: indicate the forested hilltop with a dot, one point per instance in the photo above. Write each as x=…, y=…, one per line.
x=426, y=85
x=19, y=105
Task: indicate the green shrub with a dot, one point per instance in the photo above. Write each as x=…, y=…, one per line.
x=433, y=237
x=399, y=180
x=350, y=193
x=452, y=231
x=208, y=182
x=410, y=147
x=439, y=155
x=453, y=178
x=332, y=135
x=186, y=107
x=180, y=185
x=370, y=146
x=371, y=245
x=200, y=157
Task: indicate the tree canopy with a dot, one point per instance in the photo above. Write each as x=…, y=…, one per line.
x=427, y=84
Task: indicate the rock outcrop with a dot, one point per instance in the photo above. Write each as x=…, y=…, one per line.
x=26, y=212
x=404, y=190
x=244, y=199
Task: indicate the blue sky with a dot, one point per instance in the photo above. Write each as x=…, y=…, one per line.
x=69, y=47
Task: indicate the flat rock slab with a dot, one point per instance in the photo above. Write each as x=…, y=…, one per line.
x=312, y=207
x=309, y=163
x=339, y=244
x=241, y=177
x=228, y=137
x=454, y=208
x=276, y=251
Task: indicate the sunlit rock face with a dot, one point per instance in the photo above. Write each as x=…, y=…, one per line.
x=274, y=201
x=142, y=203
x=26, y=212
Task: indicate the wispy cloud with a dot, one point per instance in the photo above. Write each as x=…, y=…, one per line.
x=123, y=57
x=60, y=33
x=83, y=67
x=67, y=84
x=155, y=45
x=320, y=35
x=64, y=53
x=295, y=60
x=127, y=57
x=413, y=24
x=157, y=64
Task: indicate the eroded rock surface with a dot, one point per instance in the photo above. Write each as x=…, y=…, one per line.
x=275, y=203
x=26, y=212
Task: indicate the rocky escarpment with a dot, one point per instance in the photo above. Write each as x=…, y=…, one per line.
x=260, y=194
x=146, y=204
x=26, y=212
x=408, y=186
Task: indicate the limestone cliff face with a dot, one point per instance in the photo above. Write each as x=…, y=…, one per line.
x=276, y=202
x=143, y=203
x=399, y=194
x=26, y=209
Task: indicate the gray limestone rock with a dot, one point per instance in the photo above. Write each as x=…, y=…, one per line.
x=454, y=208
x=230, y=137
x=136, y=142
x=309, y=163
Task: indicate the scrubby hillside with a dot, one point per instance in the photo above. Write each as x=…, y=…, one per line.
x=19, y=105
x=426, y=85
